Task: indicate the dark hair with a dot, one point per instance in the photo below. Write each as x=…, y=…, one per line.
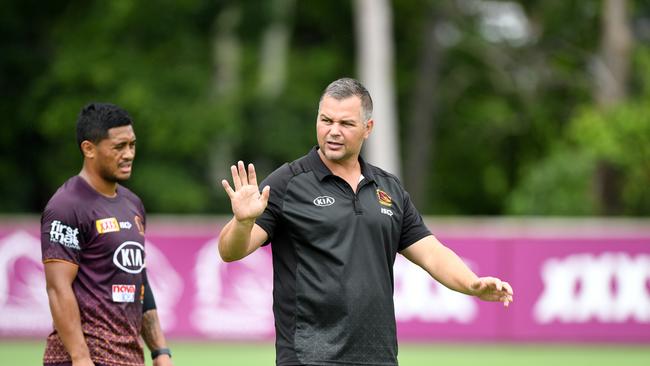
x=347, y=87
x=95, y=119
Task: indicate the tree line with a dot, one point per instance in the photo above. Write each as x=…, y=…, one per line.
x=502, y=107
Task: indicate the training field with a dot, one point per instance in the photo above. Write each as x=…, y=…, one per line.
x=200, y=354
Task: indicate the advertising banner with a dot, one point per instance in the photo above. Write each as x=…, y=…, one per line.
x=579, y=283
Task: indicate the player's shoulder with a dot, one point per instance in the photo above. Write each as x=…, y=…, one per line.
x=69, y=194
x=68, y=199
x=128, y=194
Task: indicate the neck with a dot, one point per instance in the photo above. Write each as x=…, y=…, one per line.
x=343, y=168
x=102, y=186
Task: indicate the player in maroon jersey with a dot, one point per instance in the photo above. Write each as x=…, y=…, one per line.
x=92, y=240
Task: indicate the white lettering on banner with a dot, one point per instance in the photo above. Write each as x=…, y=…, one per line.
x=166, y=283
x=418, y=297
x=24, y=306
x=609, y=288
x=233, y=300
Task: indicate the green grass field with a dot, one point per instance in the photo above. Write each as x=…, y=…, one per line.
x=199, y=354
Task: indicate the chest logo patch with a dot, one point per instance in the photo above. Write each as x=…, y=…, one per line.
x=123, y=293
x=384, y=198
x=129, y=257
x=109, y=225
x=323, y=201
x=139, y=225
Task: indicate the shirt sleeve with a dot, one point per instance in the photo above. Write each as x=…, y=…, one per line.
x=413, y=227
x=272, y=215
x=61, y=237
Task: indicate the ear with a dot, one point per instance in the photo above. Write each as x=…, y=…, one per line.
x=88, y=149
x=369, y=125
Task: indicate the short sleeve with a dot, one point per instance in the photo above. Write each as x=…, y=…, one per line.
x=413, y=227
x=61, y=237
x=272, y=215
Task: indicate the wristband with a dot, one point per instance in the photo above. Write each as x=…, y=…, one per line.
x=161, y=351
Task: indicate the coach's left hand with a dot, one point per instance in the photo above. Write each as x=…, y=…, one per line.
x=493, y=289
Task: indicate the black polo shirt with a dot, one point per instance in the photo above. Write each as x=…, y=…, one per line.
x=333, y=255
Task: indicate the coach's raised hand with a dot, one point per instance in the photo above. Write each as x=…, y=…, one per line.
x=246, y=201
x=236, y=240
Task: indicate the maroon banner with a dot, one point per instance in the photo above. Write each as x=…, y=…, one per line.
x=574, y=280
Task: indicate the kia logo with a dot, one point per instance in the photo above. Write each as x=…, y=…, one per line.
x=323, y=201
x=129, y=257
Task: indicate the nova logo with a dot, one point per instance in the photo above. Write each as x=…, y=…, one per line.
x=123, y=293
x=609, y=288
x=129, y=257
x=323, y=201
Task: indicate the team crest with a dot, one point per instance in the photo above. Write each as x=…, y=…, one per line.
x=109, y=225
x=384, y=198
x=139, y=225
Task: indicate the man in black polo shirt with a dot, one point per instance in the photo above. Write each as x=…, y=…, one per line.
x=337, y=224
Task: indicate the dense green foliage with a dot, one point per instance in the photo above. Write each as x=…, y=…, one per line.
x=517, y=130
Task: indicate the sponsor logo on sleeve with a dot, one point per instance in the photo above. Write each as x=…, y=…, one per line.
x=323, y=201
x=125, y=225
x=123, y=293
x=64, y=235
x=129, y=257
x=109, y=225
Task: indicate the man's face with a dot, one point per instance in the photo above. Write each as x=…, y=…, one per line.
x=114, y=154
x=340, y=128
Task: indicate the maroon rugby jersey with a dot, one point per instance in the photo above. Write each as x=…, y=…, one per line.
x=105, y=238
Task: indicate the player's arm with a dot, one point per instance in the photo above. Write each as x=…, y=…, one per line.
x=155, y=339
x=241, y=236
x=447, y=268
x=59, y=276
x=151, y=331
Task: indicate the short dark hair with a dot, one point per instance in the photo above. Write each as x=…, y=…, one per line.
x=347, y=87
x=95, y=119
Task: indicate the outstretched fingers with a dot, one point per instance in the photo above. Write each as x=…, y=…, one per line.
x=226, y=186
x=240, y=177
x=236, y=180
x=252, y=176
x=241, y=168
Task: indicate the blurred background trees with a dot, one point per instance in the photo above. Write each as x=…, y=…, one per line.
x=502, y=107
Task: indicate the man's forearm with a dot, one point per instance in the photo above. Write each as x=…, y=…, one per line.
x=154, y=338
x=442, y=264
x=67, y=321
x=151, y=331
x=234, y=240
x=451, y=271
